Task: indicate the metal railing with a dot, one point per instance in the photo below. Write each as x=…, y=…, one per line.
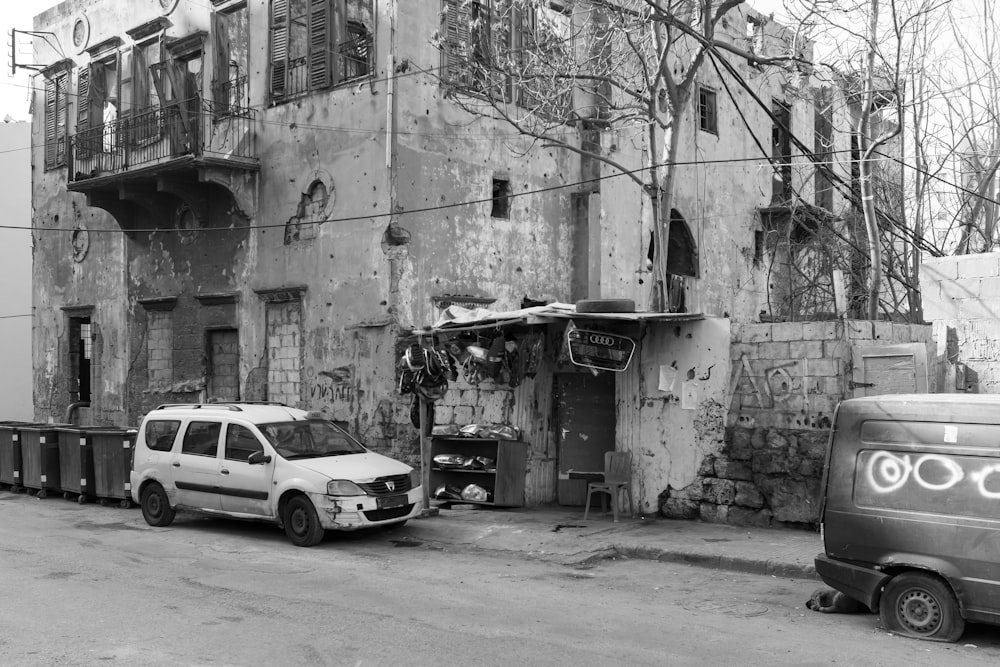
x=190, y=127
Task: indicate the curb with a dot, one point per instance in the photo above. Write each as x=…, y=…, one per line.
x=717, y=562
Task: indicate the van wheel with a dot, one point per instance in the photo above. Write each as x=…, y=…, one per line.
x=921, y=605
x=156, y=508
x=301, y=523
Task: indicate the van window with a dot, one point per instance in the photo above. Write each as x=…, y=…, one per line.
x=160, y=434
x=202, y=439
x=931, y=483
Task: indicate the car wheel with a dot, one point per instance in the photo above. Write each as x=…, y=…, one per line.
x=917, y=604
x=301, y=523
x=156, y=508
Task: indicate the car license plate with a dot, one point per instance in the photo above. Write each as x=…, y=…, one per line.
x=388, y=502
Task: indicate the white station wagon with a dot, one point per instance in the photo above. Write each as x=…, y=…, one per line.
x=266, y=462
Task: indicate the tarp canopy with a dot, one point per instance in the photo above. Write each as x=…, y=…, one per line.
x=457, y=318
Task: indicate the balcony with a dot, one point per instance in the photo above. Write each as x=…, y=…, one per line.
x=143, y=165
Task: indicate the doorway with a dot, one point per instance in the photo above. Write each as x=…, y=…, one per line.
x=80, y=353
x=585, y=429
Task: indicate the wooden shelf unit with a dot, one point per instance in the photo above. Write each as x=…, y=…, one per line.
x=506, y=482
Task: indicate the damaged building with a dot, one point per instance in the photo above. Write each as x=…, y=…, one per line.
x=273, y=199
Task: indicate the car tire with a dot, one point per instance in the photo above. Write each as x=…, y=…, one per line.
x=156, y=509
x=921, y=605
x=302, y=525
x=605, y=306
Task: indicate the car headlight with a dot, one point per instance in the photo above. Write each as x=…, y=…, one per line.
x=416, y=479
x=342, y=487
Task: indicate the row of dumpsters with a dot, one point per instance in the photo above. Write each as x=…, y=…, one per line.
x=88, y=463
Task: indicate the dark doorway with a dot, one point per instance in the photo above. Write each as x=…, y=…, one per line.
x=585, y=429
x=224, y=364
x=80, y=353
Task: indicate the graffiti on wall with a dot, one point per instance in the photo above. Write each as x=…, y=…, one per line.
x=332, y=386
x=772, y=385
x=928, y=482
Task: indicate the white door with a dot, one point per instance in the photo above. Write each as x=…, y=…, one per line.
x=196, y=466
x=245, y=488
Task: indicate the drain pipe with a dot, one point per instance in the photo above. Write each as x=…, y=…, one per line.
x=73, y=408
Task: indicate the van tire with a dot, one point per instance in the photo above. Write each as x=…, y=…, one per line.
x=921, y=605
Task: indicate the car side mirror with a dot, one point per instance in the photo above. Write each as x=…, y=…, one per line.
x=258, y=458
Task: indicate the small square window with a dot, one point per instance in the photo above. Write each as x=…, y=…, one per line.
x=501, y=198
x=707, y=111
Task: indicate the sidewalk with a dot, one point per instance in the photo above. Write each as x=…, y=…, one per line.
x=560, y=534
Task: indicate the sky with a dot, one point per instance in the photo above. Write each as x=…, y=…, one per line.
x=17, y=14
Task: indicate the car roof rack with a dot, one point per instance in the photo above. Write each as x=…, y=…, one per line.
x=233, y=406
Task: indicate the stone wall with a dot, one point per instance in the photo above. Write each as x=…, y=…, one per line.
x=786, y=380
x=961, y=298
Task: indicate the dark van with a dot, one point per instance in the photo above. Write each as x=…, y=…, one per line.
x=911, y=510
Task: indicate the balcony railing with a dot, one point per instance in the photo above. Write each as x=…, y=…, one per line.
x=191, y=127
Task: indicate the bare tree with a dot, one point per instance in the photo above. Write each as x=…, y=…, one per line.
x=623, y=65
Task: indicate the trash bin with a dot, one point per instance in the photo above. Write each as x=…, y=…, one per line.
x=113, y=463
x=40, y=457
x=11, y=466
x=76, y=463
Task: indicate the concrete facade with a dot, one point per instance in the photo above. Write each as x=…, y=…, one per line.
x=15, y=273
x=962, y=301
x=292, y=256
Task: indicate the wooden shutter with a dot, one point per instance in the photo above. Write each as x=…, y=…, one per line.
x=125, y=88
x=50, y=123
x=220, y=72
x=83, y=135
x=319, y=43
x=279, y=48
x=456, y=38
x=62, y=116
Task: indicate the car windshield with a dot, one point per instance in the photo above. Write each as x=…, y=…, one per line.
x=310, y=439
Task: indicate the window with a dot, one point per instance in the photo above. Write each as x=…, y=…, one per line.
x=755, y=38
x=202, y=439
x=230, y=94
x=316, y=44
x=160, y=434
x=145, y=108
x=781, y=152
x=468, y=48
x=501, y=198
x=708, y=119
x=241, y=443
x=56, y=112
x=543, y=44
x=97, y=108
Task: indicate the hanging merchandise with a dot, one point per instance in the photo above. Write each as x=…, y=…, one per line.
x=494, y=357
x=428, y=415
x=532, y=347
x=512, y=362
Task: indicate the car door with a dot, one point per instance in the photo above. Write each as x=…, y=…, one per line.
x=196, y=466
x=245, y=488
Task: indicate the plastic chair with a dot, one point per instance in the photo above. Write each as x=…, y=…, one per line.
x=617, y=478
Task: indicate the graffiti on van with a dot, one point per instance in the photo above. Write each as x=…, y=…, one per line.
x=916, y=481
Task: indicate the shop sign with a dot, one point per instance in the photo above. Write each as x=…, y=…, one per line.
x=599, y=349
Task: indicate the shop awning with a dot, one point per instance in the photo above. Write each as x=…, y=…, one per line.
x=457, y=318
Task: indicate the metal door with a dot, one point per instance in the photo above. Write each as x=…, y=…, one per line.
x=889, y=369
x=585, y=423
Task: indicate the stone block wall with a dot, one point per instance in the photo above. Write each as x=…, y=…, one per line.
x=786, y=380
x=961, y=298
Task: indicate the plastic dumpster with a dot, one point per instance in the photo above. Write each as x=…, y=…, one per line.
x=11, y=466
x=40, y=457
x=113, y=463
x=76, y=463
